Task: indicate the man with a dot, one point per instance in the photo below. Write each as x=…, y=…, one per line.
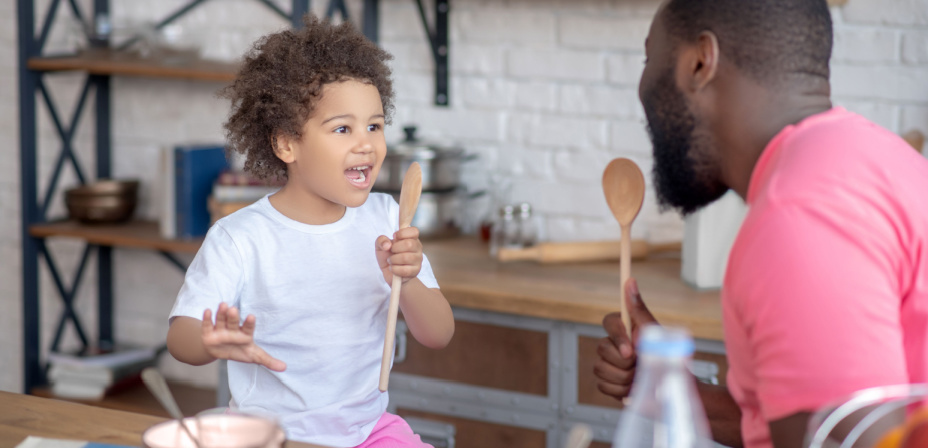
x=826, y=291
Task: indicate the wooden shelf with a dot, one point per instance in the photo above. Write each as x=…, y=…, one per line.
x=132, y=234
x=106, y=62
x=139, y=400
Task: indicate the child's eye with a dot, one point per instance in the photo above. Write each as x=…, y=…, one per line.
x=341, y=130
x=373, y=127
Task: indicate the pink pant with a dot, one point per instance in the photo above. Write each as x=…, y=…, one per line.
x=392, y=431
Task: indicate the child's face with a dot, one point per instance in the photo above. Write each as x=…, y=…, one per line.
x=342, y=147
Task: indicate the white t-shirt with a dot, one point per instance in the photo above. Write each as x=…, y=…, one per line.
x=320, y=301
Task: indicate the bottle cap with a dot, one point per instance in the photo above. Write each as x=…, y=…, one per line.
x=668, y=342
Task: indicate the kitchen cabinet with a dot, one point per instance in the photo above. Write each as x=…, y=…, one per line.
x=519, y=368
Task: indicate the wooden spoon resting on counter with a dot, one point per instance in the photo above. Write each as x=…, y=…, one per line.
x=623, y=185
x=409, y=200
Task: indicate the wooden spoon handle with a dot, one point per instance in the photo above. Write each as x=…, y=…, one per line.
x=391, y=332
x=625, y=272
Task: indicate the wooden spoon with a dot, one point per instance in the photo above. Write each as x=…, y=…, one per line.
x=623, y=185
x=409, y=200
x=159, y=388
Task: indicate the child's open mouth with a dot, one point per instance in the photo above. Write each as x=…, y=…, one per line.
x=359, y=176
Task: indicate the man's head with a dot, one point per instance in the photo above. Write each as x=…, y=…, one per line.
x=282, y=81
x=696, y=51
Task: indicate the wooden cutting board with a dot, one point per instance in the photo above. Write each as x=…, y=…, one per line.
x=573, y=252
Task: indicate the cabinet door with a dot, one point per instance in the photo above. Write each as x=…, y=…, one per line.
x=484, y=355
x=476, y=434
x=587, y=393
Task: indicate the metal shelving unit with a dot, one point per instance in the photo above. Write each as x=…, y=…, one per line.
x=100, y=67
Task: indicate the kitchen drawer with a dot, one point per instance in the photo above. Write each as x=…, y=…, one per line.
x=485, y=355
x=477, y=434
x=709, y=367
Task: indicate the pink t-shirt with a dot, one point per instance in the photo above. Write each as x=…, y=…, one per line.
x=826, y=290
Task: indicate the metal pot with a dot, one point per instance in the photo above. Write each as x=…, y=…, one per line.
x=439, y=213
x=441, y=164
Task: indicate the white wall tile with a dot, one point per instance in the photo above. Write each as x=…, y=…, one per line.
x=915, y=47
x=536, y=95
x=477, y=59
x=499, y=25
x=895, y=12
x=894, y=83
x=865, y=44
x=612, y=33
x=598, y=100
x=487, y=93
x=625, y=68
x=629, y=136
x=558, y=131
x=556, y=64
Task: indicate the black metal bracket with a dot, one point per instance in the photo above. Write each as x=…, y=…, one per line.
x=438, y=40
x=67, y=294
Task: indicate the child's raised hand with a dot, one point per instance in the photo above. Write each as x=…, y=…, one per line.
x=401, y=256
x=229, y=340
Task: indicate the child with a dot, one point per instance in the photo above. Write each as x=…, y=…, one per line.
x=311, y=265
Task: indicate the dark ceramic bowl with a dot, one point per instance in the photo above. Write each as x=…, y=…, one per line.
x=102, y=201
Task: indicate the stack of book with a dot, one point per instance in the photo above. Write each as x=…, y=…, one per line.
x=91, y=374
x=234, y=190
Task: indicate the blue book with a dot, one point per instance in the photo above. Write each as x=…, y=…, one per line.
x=196, y=168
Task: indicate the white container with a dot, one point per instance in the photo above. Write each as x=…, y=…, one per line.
x=707, y=239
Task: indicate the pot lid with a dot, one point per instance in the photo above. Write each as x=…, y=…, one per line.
x=413, y=146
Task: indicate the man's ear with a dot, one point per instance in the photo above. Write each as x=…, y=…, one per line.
x=283, y=147
x=698, y=63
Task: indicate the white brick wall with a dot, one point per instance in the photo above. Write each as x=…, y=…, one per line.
x=545, y=92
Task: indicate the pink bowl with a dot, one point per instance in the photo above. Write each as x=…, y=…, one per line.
x=218, y=431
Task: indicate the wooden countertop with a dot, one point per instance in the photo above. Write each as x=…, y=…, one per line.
x=27, y=415
x=578, y=292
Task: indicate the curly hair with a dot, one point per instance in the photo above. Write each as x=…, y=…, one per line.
x=281, y=82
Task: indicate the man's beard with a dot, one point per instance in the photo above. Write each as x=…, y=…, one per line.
x=686, y=174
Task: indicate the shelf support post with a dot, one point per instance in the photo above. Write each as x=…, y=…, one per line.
x=33, y=375
x=371, y=20
x=104, y=166
x=298, y=9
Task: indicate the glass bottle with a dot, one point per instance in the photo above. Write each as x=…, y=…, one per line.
x=505, y=230
x=528, y=228
x=664, y=410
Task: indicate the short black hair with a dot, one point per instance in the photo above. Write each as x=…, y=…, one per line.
x=767, y=39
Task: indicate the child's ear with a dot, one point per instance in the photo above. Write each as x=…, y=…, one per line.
x=283, y=147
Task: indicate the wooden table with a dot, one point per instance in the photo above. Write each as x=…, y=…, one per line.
x=27, y=415
x=577, y=292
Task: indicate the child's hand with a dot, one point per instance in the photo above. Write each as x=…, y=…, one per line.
x=228, y=340
x=402, y=256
